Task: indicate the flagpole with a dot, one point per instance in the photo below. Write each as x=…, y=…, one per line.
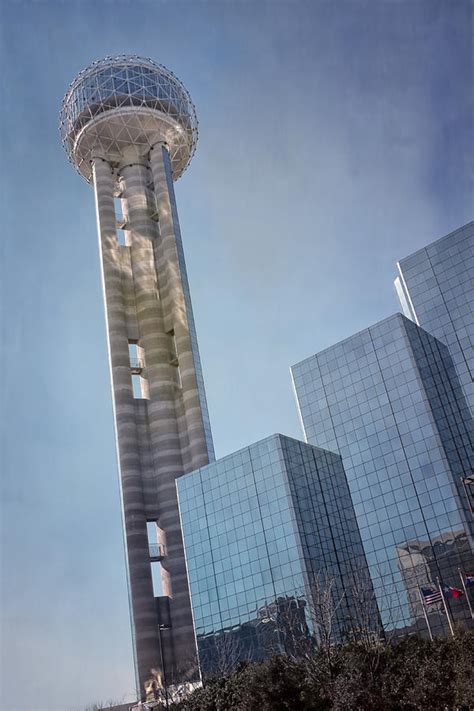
x=425, y=613
x=445, y=608
x=463, y=582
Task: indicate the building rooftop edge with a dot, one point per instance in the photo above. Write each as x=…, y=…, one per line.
x=274, y=436
x=436, y=241
x=392, y=316
x=397, y=315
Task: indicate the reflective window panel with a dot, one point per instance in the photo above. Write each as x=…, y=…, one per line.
x=270, y=534
x=388, y=400
x=436, y=289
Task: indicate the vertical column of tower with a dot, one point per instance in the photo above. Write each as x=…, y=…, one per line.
x=176, y=296
x=144, y=617
x=165, y=441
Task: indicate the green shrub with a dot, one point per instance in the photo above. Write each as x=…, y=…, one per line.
x=408, y=675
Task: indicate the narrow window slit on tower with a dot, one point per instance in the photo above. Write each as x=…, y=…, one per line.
x=120, y=222
x=152, y=531
x=118, y=209
x=154, y=204
x=137, y=364
x=136, y=355
x=174, y=360
x=122, y=238
x=154, y=214
x=156, y=550
x=137, y=386
x=156, y=577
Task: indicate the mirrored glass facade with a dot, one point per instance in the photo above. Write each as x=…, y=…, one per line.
x=268, y=531
x=436, y=290
x=389, y=401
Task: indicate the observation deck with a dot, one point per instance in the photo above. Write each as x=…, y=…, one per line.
x=119, y=107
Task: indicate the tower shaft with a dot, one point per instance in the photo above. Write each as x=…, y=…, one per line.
x=161, y=419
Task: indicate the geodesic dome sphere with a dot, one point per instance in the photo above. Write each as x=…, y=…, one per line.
x=126, y=104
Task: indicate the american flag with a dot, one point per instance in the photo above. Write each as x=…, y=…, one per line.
x=431, y=595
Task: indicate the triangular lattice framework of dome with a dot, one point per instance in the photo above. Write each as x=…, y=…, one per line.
x=122, y=102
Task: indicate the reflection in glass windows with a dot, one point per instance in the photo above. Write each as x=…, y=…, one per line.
x=270, y=531
x=436, y=290
x=389, y=401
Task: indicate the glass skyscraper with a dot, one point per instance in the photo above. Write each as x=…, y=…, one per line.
x=388, y=400
x=270, y=531
x=436, y=290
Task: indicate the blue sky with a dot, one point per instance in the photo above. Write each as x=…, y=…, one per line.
x=335, y=138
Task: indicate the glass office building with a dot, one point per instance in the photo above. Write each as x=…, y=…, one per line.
x=436, y=290
x=389, y=402
x=270, y=532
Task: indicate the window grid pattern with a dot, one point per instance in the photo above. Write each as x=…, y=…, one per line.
x=388, y=400
x=440, y=284
x=258, y=525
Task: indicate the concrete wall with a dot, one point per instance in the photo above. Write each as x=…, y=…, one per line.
x=165, y=433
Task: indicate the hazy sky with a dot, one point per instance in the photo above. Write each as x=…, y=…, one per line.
x=335, y=138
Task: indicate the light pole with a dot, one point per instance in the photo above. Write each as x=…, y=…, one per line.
x=165, y=685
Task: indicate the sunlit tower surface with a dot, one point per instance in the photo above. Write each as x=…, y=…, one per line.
x=129, y=127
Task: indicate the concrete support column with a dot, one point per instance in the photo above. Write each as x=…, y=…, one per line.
x=176, y=295
x=144, y=617
x=164, y=441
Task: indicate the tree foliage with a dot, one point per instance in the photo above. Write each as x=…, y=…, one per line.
x=409, y=675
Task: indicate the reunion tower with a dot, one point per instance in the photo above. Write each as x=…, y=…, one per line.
x=129, y=127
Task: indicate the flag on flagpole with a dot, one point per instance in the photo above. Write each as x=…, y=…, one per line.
x=431, y=595
x=453, y=592
x=468, y=578
x=425, y=614
x=442, y=590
